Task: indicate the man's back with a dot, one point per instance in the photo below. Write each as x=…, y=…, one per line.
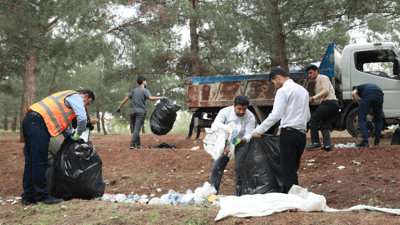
x=297, y=112
x=368, y=88
x=139, y=98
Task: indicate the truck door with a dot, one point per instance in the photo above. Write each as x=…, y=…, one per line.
x=379, y=66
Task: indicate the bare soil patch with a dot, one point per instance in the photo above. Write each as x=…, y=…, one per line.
x=370, y=177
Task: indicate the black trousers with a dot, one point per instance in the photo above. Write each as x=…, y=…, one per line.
x=219, y=166
x=292, y=144
x=191, y=126
x=323, y=115
x=137, y=120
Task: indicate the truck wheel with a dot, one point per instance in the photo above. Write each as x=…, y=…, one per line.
x=353, y=126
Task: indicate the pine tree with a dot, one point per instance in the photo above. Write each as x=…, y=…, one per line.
x=38, y=29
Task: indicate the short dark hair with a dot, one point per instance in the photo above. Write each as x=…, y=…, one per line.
x=277, y=71
x=312, y=67
x=87, y=91
x=140, y=80
x=241, y=100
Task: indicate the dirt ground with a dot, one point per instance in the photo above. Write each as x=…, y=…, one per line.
x=370, y=177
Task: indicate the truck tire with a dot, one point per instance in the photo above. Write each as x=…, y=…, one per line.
x=353, y=126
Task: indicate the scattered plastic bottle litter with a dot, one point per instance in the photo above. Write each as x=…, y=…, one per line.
x=348, y=145
x=202, y=195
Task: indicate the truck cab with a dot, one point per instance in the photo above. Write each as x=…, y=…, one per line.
x=370, y=63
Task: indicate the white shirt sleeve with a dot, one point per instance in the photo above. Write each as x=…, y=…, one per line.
x=278, y=110
x=249, y=128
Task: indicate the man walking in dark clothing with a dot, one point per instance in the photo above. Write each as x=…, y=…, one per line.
x=138, y=109
x=371, y=97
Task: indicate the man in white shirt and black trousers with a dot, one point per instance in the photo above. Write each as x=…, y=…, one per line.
x=245, y=123
x=291, y=107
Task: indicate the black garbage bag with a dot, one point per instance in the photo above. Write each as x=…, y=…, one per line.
x=396, y=137
x=77, y=172
x=260, y=171
x=163, y=145
x=163, y=117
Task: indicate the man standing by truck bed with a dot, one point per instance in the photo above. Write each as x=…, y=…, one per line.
x=371, y=97
x=325, y=112
x=291, y=107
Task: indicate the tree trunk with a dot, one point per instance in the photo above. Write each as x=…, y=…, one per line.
x=52, y=84
x=28, y=85
x=143, y=130
x=102, y=113
x=130, y=124
x=280, y=37
x=5, y=118
x=98, y=124
x=194, y=41
x=15, y=118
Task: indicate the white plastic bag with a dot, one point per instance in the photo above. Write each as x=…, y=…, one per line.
x=201, y=193
x=214, y=142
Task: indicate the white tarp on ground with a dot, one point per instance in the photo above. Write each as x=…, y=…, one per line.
x=266, y=204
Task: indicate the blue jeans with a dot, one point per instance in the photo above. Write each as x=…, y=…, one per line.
x=374, y=101
x=137, y=121
x=37, y=140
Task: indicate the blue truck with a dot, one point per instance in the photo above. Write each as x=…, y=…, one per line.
x=354, y=65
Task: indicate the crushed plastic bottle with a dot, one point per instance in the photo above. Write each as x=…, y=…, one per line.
x=155, y=201
x=120, y=197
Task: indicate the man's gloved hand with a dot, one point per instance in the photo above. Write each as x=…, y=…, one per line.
x=236, y=141
x=255, y=134
x=89, y=125
x=75, y=137
x=119, y=110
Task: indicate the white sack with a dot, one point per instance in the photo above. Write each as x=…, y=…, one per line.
x=214, y=142
x=267, y=204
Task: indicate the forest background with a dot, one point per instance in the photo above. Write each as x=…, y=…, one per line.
x=48, y=46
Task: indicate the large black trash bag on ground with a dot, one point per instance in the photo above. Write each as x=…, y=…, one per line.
x=77, y=172
x=260, y=171
x=163, y=117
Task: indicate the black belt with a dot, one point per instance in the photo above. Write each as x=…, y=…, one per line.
x=33, y=113
x=290, y=128
x=330, y=101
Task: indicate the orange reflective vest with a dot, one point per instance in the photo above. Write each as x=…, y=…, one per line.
x=55, y=113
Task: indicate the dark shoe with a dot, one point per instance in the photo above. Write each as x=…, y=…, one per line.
x=51, y=201
x=197, y=138
x=327, y=148
x=132, y=147
x=314, y=145
x=187, y=138
x=376, y=144
x=28, y=202
x=363, y=144
x=139, y=146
